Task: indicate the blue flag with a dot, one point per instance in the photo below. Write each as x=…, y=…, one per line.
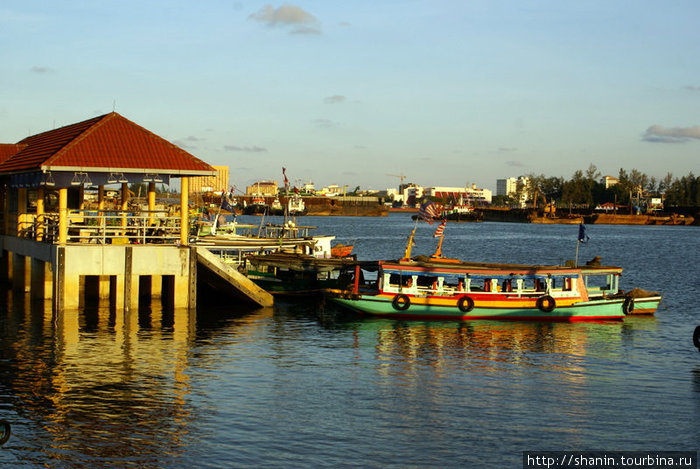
x=582, y=236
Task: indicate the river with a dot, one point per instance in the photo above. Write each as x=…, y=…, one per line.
x=306, y=385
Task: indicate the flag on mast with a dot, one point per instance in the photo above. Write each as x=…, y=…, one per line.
x=582, y=236
x=428, y=212
x=440, y=229
x=286, y=181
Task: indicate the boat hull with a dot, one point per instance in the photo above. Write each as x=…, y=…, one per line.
x=421, y=308
x=646, y=305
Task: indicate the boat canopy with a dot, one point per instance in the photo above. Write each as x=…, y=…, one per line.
x=479, y=276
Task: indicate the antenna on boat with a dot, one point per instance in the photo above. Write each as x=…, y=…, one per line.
x=438, y=249
x=439, y=233
x=410, y=242
x=582, y=238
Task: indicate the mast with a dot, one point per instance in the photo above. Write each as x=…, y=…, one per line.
x=438, y=249
x=410, y=243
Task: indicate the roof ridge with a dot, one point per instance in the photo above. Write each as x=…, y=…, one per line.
x=99, y=120
x=158, y=138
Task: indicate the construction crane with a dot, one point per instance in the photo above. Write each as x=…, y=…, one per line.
x=401, y=178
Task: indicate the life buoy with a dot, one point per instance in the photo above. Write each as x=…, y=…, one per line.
x=401, y=302
x=696, y=338
x=546, y=303
x=5, y=431
x=465, y=304
x=628, y=305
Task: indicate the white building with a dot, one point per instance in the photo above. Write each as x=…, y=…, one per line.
x=460, y=195
x=509, y=187
x=609, y=181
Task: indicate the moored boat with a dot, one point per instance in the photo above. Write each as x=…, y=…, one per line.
x=603, y=282
x=298, y=274
x=441, y=288
x=341, y=250
x=437, y=288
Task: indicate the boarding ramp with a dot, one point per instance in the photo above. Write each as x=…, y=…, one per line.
x=225, y=276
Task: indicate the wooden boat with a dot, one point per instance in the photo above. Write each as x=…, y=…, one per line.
x=296, y=274
x=447, y=289
x=604, y=282
x=341, y=250
x=233, y=240
x=441, y=288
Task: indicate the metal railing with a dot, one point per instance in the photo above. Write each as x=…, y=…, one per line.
x=105, y=227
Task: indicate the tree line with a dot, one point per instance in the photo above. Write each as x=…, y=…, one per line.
x=587, y=188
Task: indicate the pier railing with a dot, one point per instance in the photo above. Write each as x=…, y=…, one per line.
x=105, y=227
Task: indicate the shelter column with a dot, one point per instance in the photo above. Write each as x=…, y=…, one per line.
x=184, y=211
x=6, y=209
x=125, y=202
x=40, y=214
x=62, y=215
x=151, y=202
x=21, y=210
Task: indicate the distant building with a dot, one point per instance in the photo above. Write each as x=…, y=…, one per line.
x=460, y=195
x=264, y=188
x=609, y=181
x=332, y=190
x=216, y=183
x=509, y=188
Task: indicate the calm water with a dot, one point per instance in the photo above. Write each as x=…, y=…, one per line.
x=305, y=386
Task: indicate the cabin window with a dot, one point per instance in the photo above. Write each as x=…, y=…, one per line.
x=600, y=283
x=568, y=284
x=425, y=281
x=507, y=285
x=452, y=284
x=394, y=279
x=540, y=285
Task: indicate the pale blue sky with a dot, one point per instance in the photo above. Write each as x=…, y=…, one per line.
x=445, y=92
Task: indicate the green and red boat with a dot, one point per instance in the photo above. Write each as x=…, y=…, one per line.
x=440, y=288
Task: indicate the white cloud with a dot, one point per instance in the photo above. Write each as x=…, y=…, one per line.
x=253, y=149
x=334, y=99
x=289, y=16
x=660, y=134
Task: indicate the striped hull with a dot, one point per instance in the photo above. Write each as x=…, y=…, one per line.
x=646, y=305
x=421, y=308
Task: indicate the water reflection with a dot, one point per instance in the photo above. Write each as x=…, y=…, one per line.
x=97, y=384
x=158, y=388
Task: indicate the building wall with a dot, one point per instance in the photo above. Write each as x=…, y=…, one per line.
x=263, y=188
x=216, y=183
x=472, y=194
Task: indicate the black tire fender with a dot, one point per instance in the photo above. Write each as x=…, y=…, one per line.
x=465, y=304
x=696, y=338
x=401, y=302
x=628, y=305
x=546, y=303
x=5, y=431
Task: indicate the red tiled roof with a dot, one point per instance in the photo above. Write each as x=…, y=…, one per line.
x=9, y=149
x=109, y=143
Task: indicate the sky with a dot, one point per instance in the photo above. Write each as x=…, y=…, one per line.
x=445, y=93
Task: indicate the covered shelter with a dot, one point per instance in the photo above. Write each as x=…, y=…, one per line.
x=51, y=240
x=105, y=150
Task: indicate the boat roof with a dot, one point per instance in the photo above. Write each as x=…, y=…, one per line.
x=305, y=262
x=422, y=265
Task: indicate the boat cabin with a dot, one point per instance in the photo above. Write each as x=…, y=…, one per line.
x=504, y=280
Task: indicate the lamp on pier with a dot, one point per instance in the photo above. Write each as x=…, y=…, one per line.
x=48, y=179
x=80, y=177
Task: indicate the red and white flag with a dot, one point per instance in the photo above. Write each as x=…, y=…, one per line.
x=440, y=229
x=428, y=212
x=286, y=181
